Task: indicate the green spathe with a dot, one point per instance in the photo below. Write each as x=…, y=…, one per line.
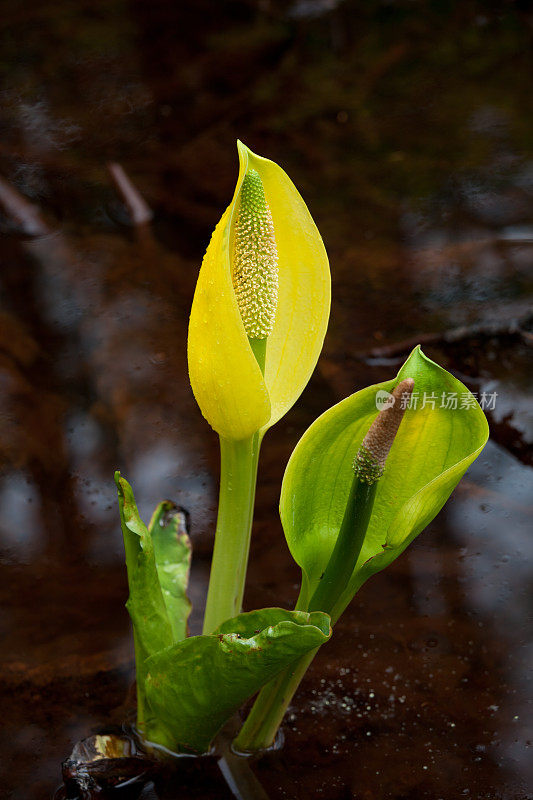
x=195, y=686
x=432, y=450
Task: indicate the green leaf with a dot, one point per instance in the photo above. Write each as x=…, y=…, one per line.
x=172, y=549
x=145, y=604
x=195, y=686
x=432, y=450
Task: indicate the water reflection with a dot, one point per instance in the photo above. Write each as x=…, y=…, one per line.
x=498, y=568
x=22, y=533
x=496, y=575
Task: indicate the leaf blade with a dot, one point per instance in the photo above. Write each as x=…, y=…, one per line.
x=195, y=686
x=172, y=552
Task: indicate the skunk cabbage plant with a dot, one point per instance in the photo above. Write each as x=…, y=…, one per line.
x=361, y=484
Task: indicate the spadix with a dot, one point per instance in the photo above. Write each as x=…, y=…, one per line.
x=254, y=269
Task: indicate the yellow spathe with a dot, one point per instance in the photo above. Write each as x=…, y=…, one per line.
x=227, y=382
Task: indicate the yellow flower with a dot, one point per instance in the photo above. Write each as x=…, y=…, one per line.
x=264, y=280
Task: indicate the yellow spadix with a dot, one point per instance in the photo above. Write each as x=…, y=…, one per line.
x=265, y=276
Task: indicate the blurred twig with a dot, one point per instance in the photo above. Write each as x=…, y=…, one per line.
x=486, y=329
x=139, y=210
x=27, y=216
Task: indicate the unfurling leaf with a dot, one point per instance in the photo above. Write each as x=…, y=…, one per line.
x=145, y=605
x=157, y=561
x=195, y=686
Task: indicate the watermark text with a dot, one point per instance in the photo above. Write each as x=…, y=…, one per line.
x=448, y=400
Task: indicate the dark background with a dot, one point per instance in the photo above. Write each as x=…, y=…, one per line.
x=406, y=126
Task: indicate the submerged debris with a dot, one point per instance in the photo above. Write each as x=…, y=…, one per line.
x=107, y=765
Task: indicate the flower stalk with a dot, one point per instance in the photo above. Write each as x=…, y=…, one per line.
x=238, y=475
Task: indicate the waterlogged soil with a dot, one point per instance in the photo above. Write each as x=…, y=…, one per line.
x=405, y=127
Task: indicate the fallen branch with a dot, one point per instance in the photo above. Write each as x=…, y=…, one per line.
x=139, y=210
x=27, y=216
x=484, y=330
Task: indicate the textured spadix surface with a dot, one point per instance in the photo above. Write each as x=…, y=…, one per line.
x=431, y=452
x=254, y=267
x=233, y=395
x=371, y=457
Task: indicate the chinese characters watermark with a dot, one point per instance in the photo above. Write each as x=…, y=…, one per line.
x=447, y=400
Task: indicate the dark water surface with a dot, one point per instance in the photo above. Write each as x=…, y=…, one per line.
x=405, y=125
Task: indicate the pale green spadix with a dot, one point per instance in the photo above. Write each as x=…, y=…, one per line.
x=254, y=269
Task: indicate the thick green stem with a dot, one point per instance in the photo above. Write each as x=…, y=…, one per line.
x=347, y=547
x=238, y=474
x=263, y=721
